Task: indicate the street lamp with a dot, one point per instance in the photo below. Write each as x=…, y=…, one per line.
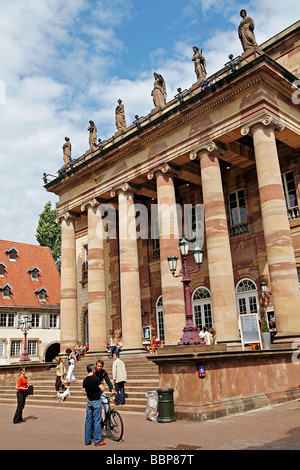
x=190, y=331
x=25, y=326
x=263, y=286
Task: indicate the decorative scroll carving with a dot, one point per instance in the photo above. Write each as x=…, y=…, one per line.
x=94, y=202
x=265, y=119
x=164, y=168
x=208, y=146
x=124, y=187
x=67, y=215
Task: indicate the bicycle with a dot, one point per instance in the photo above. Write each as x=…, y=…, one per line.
x=114, y=423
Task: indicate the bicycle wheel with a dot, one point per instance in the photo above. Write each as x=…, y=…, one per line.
x=115, y=426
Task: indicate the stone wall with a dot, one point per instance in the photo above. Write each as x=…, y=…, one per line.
x=235, y=381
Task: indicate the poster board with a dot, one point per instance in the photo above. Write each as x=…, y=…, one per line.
x=147, y=333
x=249, y=328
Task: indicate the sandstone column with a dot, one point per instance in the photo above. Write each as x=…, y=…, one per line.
x=172, y=288
x=68, y=302
x=279, y=246
x=96, y=278
x=129, y=270
x=221, y=278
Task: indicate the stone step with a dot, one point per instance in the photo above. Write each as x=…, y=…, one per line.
x=128, y=407
x=142, y=375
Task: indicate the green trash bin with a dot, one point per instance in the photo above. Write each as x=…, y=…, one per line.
x=165, y=405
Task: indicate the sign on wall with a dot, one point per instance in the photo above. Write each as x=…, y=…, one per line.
x=250, y=330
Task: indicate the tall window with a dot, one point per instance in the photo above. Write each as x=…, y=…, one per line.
x=3, y=320
x=237, y=207
x=32, y=347
x=35, y=320
x=247, y=297
x=53, y=321
x=160, y=319
x=15, y=348
x=7, y=320
x=2, y=346
x=238, y=215
x=202, y=311
x=289, y=189
x=85, y=264
x=155, y=234
x=290, y=194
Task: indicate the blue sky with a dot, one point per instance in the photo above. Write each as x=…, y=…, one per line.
x=64, y=63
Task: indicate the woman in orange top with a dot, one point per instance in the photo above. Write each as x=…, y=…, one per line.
x=22, y=387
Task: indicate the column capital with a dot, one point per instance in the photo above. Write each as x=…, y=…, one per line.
x=263, y=119
x=164, y=168
x=67, y=215
x=125, y=188
x=207, y=146
x=94, y=202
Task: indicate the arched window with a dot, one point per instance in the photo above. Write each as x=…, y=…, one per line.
x=202, y=311
x=160, y=319
x=247, y=297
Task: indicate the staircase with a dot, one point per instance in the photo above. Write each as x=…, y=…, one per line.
x=142, y=376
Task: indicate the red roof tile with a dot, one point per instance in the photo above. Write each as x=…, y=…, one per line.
x=17, y=275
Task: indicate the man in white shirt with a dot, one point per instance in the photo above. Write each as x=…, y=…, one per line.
x=119, y=378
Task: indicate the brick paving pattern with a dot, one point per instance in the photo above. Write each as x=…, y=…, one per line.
x=52, y=428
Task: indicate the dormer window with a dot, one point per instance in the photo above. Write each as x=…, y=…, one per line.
x=2, y=269
x=6, y=291
x=12, y=254
x=34, y=272
x=41, y=293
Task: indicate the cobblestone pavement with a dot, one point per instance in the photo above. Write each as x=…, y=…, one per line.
x=53, y=428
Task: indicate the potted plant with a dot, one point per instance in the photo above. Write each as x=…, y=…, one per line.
x=265, y=334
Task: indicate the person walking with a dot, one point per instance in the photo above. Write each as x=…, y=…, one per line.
x=93, y=388
x=72, y=363
x=59, y=375
x=119, y=379
x=22, y=388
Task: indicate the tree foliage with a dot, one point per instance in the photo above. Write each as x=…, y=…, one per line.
x=48, y=232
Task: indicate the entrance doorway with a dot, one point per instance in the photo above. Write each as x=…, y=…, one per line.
x=52, y=351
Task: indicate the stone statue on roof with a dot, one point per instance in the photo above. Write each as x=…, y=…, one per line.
x=246, y=31
x=120, y=117
x=200, y=65
x=159, y=92
x=92, y=136
x=67, y=151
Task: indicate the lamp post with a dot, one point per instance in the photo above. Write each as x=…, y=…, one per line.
x=190, y=331
x=25, y=326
